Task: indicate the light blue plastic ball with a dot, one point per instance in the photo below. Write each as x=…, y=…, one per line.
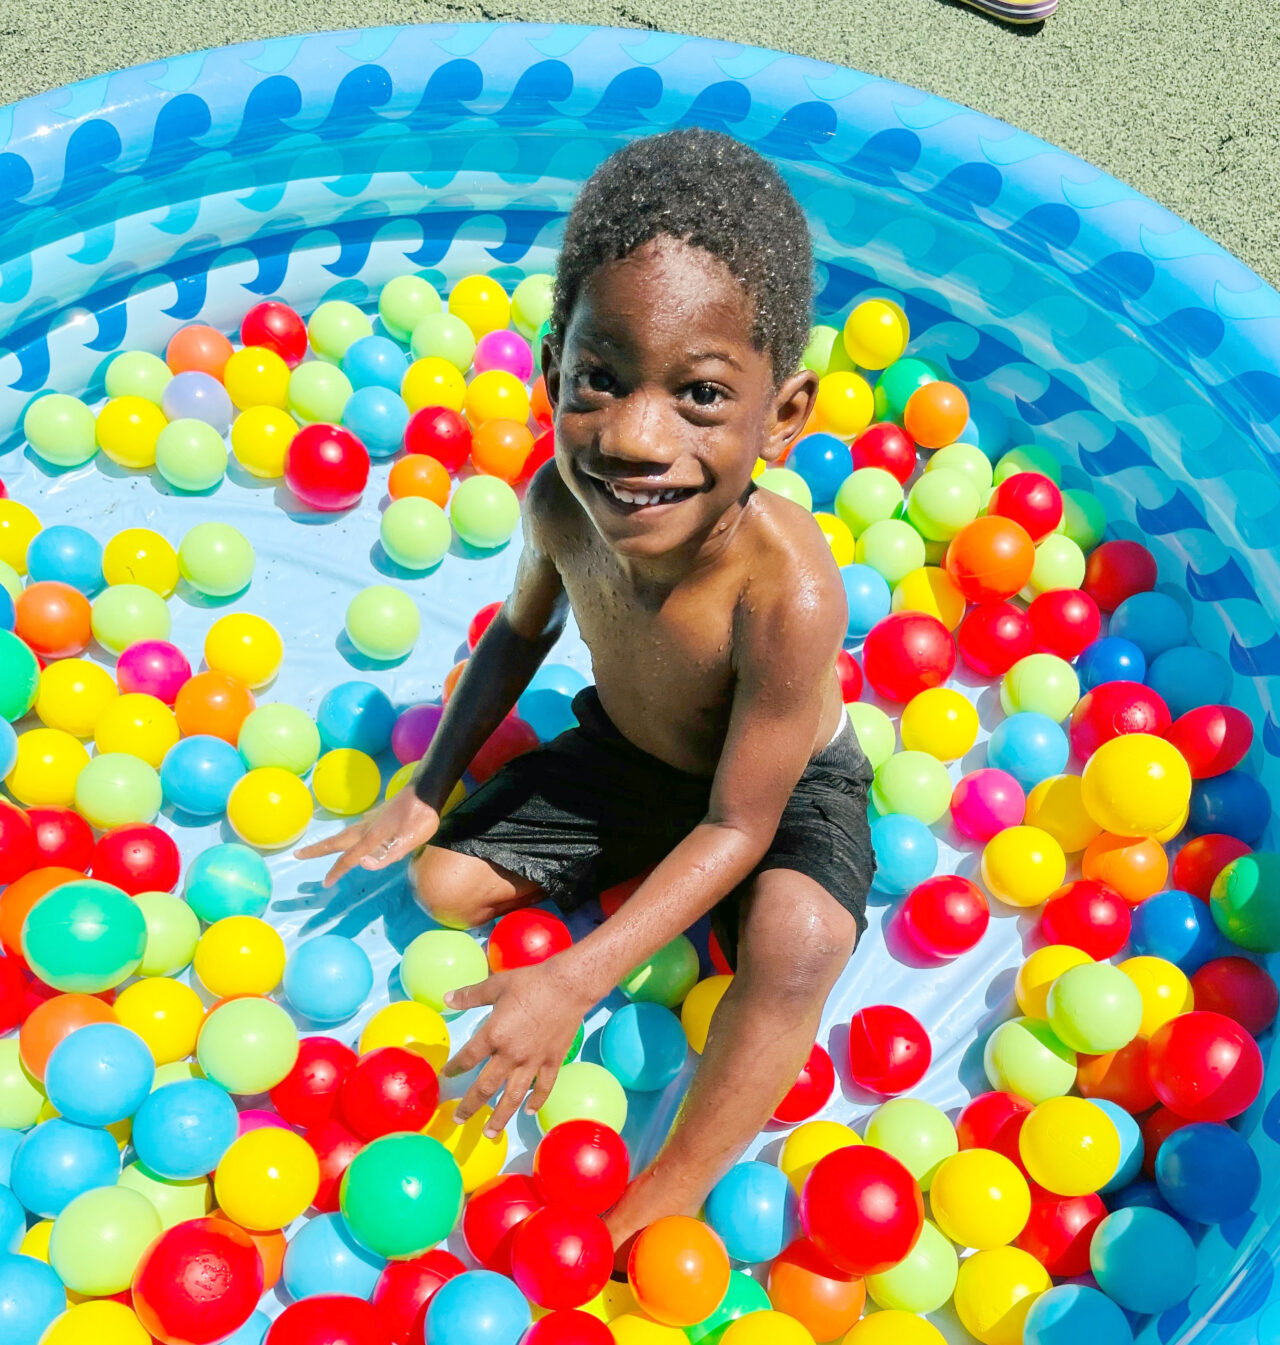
x=1071, y=1314
x=1190, y=676
x=253, y=1332
x=183, y=1129
x=1177, y=927
x=1143, y=1259
x=228, y=879
x=906, y=853
x=753, y=1208
x=10, y=1142
x=195, y=395
x=558, y=677
x=31, y=1296
x=323, y=1258
x=358, y=715
x=99, y=1074
x=13, y=1221
x=328, y=978
x=1155, y=622
x=8, y=615
x=478, y=1307
x=375, y=362
x=68, y=555
x=823, y=461
x=60, y=1160
x=377, y=416
x=548, y=713
x=643, y=1046
x=1132, y=1148
x=8, y=741
x=1110, y=660
x=199, y=773
x=1029, y=746
x=868, y=596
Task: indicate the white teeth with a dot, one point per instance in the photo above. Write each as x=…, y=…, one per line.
x=640, y=497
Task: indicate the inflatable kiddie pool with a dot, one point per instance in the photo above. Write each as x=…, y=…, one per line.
x=1077, y=314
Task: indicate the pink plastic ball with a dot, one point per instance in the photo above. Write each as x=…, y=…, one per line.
x=504, y=350
x=258, y=1118
x=414, y=731
x=153, y=668
x=984, y=802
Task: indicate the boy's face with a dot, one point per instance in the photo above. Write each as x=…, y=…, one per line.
x=663, y=404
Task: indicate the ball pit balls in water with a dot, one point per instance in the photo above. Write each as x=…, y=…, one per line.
x=139, y=725
x=1025, y=1057
x=790, y=485
x=260, y=437
x=995, y=1290
x=128, y=613
x=269, y=808
x=182, y=1129
x=584, y=1091
x=403, y=302
x=383, y=622
x=58, y=1161
x=401, y=1195
x=116, y=789
x=875, y=333
x=141, y=556
x=644, y=1047
x=99, y=1075
x=99, y=1238
x=246, y=647
x=213, y=704
x=916, y=1133
x=326, y=467
x=439, y=961
x=66, y=555
x=889, y=1051
x=1075, y=1312
x=378, y=418
x=216, y=559
x=247, y=1045
x=279, y=735
x=415, y=533
x=171, y=1307
x=485, y=512
x=1143, y=1259
x=153, y=668
x=60, y=430
x=358, y=716
x=444, y=338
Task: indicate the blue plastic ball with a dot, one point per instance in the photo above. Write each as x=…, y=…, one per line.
x=31, y=1296
x=69, y=555
x=253, y=1332
x=906, y=853
x=1176, y=926
x=1208, y=1173
x=1143, y=1259
x=824, y=462
x=377, y=416
x=358, y=715
x=99, y=1074
x=1132, y=1148
x=753, y=1208
x=548, y=713
x=479, y=1307
x=328, y=978
x=1143, y=1194
x=643, y=1046
x=7, y=613
x=375, y=362
x=199, y=773
x=183, y=1129
x=1029, y=746
x=1233, y=803
x=1110, y=660
x=8, y=744
x=227, y=879
x=1070, y=1314
x=13, y=1221
x=60, y=1160
x=323, y=1258
x=1190, y=676
x=10, y=1141
x=867, y=593
x=558, y=677
x=1155, y=622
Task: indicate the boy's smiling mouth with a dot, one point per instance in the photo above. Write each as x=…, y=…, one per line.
x=631, y=499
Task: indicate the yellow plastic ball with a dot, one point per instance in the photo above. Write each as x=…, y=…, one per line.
x=432, y=381
x=699, y=1007
x=930, y=589
x=239, y=955
x=256, y=376
x=1037, y=974
x=269, y=808
x=35, y=1241
x=634, y=1328
x=995, y=1291
x=940, y=721
x=842, y=542
x=127, y=429
x=876, y=333
x=1069, y=1146
x=246, y=647
x=346, y=781
x=417, y=1027
x=810, y=1142
x=979, y=1199
x=48, y=765
x=1164, y=988
x=1056, y=805
x=260, y=437
x=760, y=468
x=496, y=395
x=894, y=1328
x=165, y=1013
x=478, y=1159
x=766, y=1328
x=73, y=694
x=1136, y=785
x=141, y=725
x=141, y=556
x=266, y=1179
x=844, y=404
x=97, y=1321
x=401, y=778
x=18, y=525
x=1023, y=866
x=481, y=303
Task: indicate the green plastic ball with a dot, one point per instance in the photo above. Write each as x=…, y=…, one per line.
x=439, y=961
x=539, y=337
x=415, y=532
x=116, y=789
x=173, y=930
x=383, y=623
x=404, y=302
x=744, y=1295
x=583, y=1091
x=914, y=783
x=318, y=393
x=1043, y=683
x=1245, y=900
x=869, y=495
x=99, y=1238
x=575, y=1047
x=924, y=1281
x=531, y=303
x=1084, y=519
x=84, y=937
x=1028, y=458
x=666, y=977
x=21, y=1098
x=126, y=613
x=893, y=548
x=138, y=373
x=279, y=734
x=191, y=455
x=334, y=326
x=19, y=677
x=60, y=430
x=175, y=1202
x=790, y=485
x=918, y=1134
x=874, y=730
x=10, y=580
x=485, y=512
x=894, y=387
x=1025, y=1056
x=216, y=559
x=1059, y=563
x=247, y=1045
x=1095, y=1008
x=825, y=352
x=447, y=338
x=941, y=503
x=968, y=461
x=401, y=1195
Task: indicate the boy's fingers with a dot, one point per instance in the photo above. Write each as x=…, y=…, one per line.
x=329, y=846
x=491, y=1079
x=385, y=852
x=541, y=1089
x=512, y=1095
x=469, y=1057
x=472, y=996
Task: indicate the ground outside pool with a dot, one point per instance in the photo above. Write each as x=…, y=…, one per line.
x=1127, y=365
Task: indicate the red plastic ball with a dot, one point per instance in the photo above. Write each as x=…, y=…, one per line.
x=1118, y=1076
x=198, y=1282
x=13, y=994
x=613, y=898
x=326, y=467
x=1155, y=1130
x=480, y=623
x=1237, y=989
x=309, y=1093
x=1213, y=738
x=886, y=446
x=849, y=675
x=1204, y=1066
x=889, y=1050
x=137, y=858
x=994, y=1121
x=811, y=1091
x=568, y=1327
x=720, y=964
x=1087, y=915
x=330, y=1319
x=440, y=433
x=512, y=737
x=1059, y=1230
x=525, y=938
x=581, y=1163
x=994, y=636
x=1065, y=621
x=1116, y=571
x=17, y=843
x=335, y=1146
x=945, y=916
x=1113, y=709
x=492, y=1216
x=53, y=619
x=63, y=838
x=389, y=1089
x=1030, y=499
x=561, y=1257
x=862, y=1209
x=906, y=653
x=1200, y=861
x=543, y=450
x=405, y=1288
x=277, y=327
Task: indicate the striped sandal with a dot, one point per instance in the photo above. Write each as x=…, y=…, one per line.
x=1015, y=11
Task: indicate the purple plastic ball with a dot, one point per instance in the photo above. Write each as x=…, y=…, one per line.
x=414, y=731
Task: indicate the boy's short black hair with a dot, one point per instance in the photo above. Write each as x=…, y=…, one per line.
x=709, y=190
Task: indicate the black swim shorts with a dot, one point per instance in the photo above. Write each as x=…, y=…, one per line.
x=589, y=809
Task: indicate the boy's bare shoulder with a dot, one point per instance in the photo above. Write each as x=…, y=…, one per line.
x=552, y=513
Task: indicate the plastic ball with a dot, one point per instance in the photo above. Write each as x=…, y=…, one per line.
x=1023, y=866
x=1116, y=571
x=126, y=430
x=678, y=1271
x=1059, y=567
x=216, y=559
x=323, y=1258
x=1056, y=805
x=990, y=559
x=383, y=623
x=58, y=1161
x=62, y=838
x=390, y=1089
x=944, y=917
x=941, y=722
x=643, y=1046
x=581, y=1163
x=906, y=853
x=52, y=619
x=279, y=735
x=326, y=467
x=1212, y=738
x=1110, y=660
x=1204, y=1066
x=99, y=1075
x=99, y=1239
x=887, y=448
x=269, y=807
x=1074, y=1312
x=65, y=555
x=239, y=955
x=906, y=653
x=1114, y=709
x=1188, y=677
x=1233, y=803
x=19, y=677
x=1163, y=987
x=374, y=362
x=17, y=843
x=227, y=880
x=166, y=1014
x=415, y=533
x=260, y=438
x=893, y=548
x=823, y=462
x=935, y=414
x=1038, y=974
x=1174, y=926
x=875, y=334
x=941, y=503
x=246, y=647
x=356, y=715
x=199, y=773
x=870, y=495
x=1143, y=1259
x=45, y=1026
x=31, y=1297
x=868, y=597
x=1040, y=684
x=915, y=783
x=247, y=1045
x=401, y=1194
x=994, y=636
x=439, y=961
x=378, y=418
x=1025, y=1056
x=1095, y=1008
x=126, y=614
x=266, y=1179
x=1208, y=1173
x=561, y=1257
x=477, y=1307
x=874, y=731
x=844, y=405
x=916, y=1133
x=346, y=782
x=1237, y=989
x=405, y=1288
x=1136, y=785
x=1059, y=1230
x=987, y=801
x=136, y=725
x=923, y=1281
x=141, y=557
x=1087, y=915
x=84, y=936
x=666, y=977
x=584, y=1090
x=839, y=539
x=1069, y=1145
x=404, y=301
x=995, y=1290
x=889, y=1050
x=979, y=1199
x=993, y=1121
x=894, y=1328
x=790, y=485
x=930, y=590
x=811, y=1091
x=493, y=1215
x=60, y=428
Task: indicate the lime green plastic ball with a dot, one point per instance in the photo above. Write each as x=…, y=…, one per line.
x=1059, y=563
x=175, y=1202
x=869, y=495
x=318, y=392
x=874, y=730
x=1084, y=519
x=924, y=1281
x=531, y=303
x=485, y=512
x=334, y=326
x=138, y=373
x=216, y=559
x=173, y=930
x=21, y=1098
x=439, y=961
x=98, y=1239
x=19, y=676
x=1028, y=458
x=446, y=338
x=914, y=783
x=539, y=337
x=1043, y=683
x=279, y=734
x=894, y=387
x=918, y=1134
x=126, y=613
x=1025, y=1056
x=10, y=580
x=1245, y=900
x=60, y=430
x=584, y=1091
x=790, y=485
x=941, y=503
x=247, y=1045
x=1095, y=1008
x=401, y=1195
x=893, y=548
x=84, y=937
x=191, y=455
x=666, y=977
x=969, y=461
x=415, y=532
x=404, y=302
x=383, y=623
x=116, y=789
x=825, y=353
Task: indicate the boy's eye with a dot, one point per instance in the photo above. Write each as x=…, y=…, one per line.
x=704, y=394
x=600, y=380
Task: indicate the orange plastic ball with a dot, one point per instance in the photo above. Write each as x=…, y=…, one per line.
x=990, y=559
x=49, y=1023
x=21, y=895
x=678, y=1270
x=936, y=414
x=198, y=347
x=214, y=703
x=420, y=474
x=499, y=448
x=53, y=618
x=825, y=1301
x=271, y=1248
x=451, y=681
x=540, y=404
x=1136, y=867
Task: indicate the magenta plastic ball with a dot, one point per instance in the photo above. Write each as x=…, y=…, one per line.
x=258, y=1118
x=985, y=802
x=414, y=731
x=153, y=668
x=507, y=351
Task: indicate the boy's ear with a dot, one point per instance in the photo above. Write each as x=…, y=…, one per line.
x=792, y=406
x=551, y=369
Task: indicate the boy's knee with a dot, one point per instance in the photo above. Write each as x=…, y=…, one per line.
x=797, y=937
x=442, y=890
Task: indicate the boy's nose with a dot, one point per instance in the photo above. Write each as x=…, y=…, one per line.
x=633, y=431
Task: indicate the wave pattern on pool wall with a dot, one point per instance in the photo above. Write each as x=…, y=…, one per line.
x=1079, y=314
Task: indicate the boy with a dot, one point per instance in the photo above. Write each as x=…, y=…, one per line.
x=714, y=745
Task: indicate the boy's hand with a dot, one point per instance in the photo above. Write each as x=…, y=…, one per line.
x=536, y=1012
x=381, y=837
